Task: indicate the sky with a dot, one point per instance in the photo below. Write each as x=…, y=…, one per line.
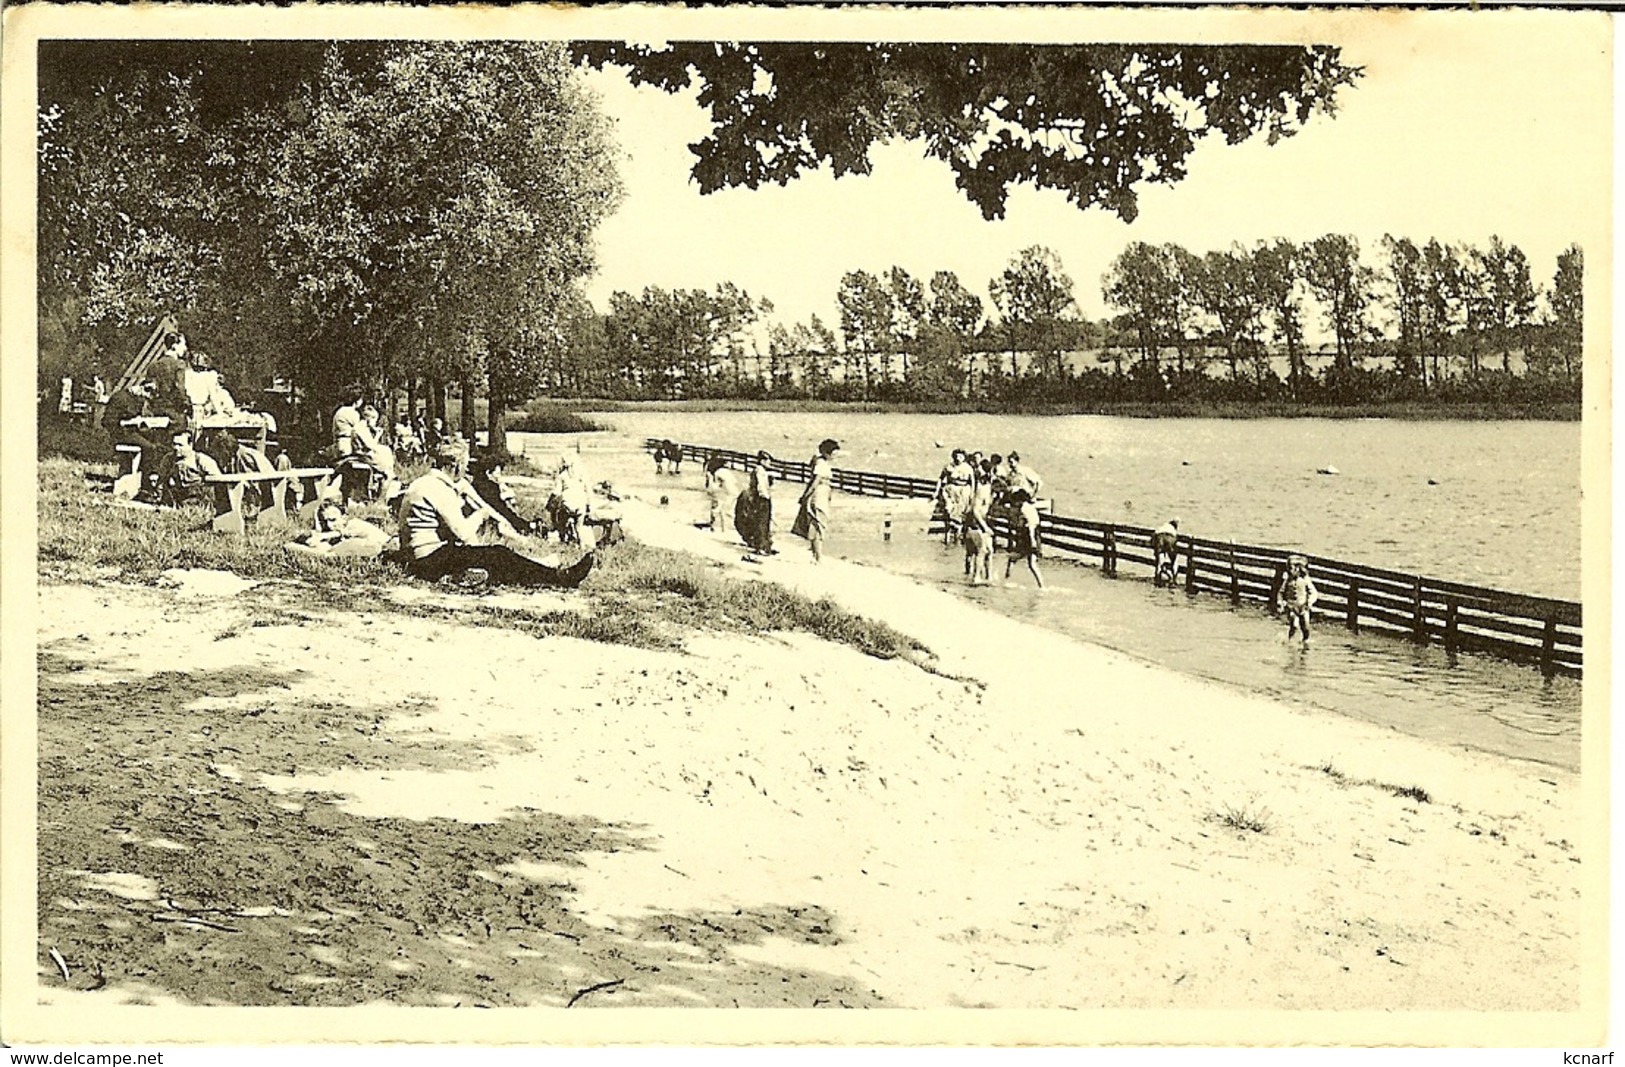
x=1462, y=126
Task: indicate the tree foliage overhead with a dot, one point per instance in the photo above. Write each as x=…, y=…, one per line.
x=1093, y=121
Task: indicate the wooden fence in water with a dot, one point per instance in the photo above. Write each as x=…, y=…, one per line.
x=1527, y=629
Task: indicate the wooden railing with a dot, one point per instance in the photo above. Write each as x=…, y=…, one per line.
x=1461, y=617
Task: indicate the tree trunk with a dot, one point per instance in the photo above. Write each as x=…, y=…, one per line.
x=496, y=435
x=412, y=397
x=465, y=420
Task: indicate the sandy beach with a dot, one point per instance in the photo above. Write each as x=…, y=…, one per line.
x=408, y=807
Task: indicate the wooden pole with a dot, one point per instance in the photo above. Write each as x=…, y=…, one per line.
x=1108, y=559
x=1353, y=619
x=1420, y=631
x=1450, y=626
x=1190, y=565
x=1235, y=582
x=1548, y=646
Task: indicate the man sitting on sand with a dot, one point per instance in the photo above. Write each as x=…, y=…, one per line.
x=440, y=538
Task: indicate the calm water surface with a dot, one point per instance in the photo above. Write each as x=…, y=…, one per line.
x=1490, y=503
x=1240, y=476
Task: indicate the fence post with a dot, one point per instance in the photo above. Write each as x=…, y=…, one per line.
x=1548, y=645
x=1190, y=565
x=1420, y=628
x=1353, y=619
x=1450, y=626
x=1235, y=583
x=1108, y=556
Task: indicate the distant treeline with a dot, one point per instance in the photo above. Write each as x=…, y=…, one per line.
x=1433, y=323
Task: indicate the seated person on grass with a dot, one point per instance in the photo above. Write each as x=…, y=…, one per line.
x=338, y=536
x=568, y=504
x=189, y=468
x=485, y=475
x=440, y=537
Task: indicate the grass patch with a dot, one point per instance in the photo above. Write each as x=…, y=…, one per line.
x=638, y=595
x=80, y=526
x=1245, y=818
x=680, y=588
x=1408, y=792
x=548, y=416
x=74, y=440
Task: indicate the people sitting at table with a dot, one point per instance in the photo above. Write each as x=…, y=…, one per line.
x=129, y=421
x=366, y=464
x=440, y=535
x=212, y=404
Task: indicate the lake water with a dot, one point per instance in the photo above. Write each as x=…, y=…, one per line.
x=1504, y=511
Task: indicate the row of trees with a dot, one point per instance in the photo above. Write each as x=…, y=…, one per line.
x=1446, y=307
x=1428, y=321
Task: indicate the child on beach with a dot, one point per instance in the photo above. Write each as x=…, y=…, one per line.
x=1298, y=596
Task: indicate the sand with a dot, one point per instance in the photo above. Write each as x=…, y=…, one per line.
x=386, y=808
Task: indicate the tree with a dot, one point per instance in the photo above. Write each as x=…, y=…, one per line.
x=1509, y=297
x=1034, y=295
x=866, y=316
x=1568, y=309
x=1332, y=267
x=1093, y=121
x=375, y=210
x=817, y=341
x=1275, y=274
x=145, y=197
x=1405, y=282
x=1225, y=290
x=953, y=316
x=1442, y=314
x=448, y=195
x=1141, y=284
x=907, y=318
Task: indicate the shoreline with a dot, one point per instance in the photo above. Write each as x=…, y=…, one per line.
x=1476, y=411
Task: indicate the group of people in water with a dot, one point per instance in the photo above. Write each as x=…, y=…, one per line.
x=971, y=489
x=746, y=497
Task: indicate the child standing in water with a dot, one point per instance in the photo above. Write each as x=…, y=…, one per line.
x=1298, y=595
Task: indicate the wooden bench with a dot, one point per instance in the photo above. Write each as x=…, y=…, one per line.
x=273, y=504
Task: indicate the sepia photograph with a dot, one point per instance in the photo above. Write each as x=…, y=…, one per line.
x=1091, y=525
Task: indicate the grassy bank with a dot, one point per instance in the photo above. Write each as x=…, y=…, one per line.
x=1476, y=411
x=638, y=595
